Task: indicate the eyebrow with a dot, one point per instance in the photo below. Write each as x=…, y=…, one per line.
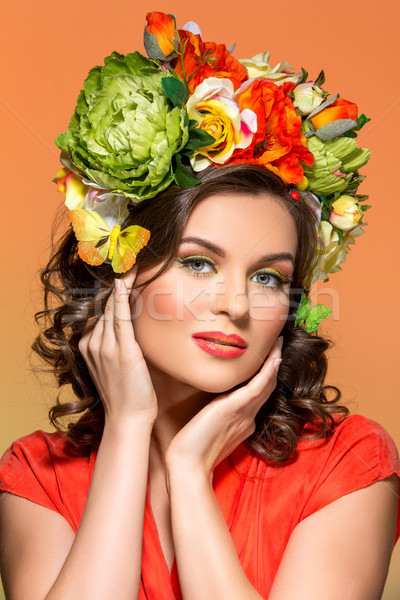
x=220, y=252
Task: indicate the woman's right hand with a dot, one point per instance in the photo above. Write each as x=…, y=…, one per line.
x=115, y=360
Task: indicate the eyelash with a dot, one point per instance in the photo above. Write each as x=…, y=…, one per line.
x=280, y=278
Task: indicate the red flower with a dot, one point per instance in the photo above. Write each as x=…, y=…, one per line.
x=222, y=64
x=278, y=144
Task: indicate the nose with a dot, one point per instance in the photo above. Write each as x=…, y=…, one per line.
x=231, y=298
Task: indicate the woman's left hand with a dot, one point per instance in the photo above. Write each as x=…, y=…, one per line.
x=218, y=428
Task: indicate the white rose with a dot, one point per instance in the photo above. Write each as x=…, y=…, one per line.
x=258, y=67
x=333, y=253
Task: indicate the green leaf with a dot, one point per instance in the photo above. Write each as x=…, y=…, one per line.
x=336, y=195
x=175, y=90
x=153, y=49
x=361, y=121
x=182, y=176
x=62, y=141
x=334, y=129
x=198, y=138
x=320, y=79
x=304, y=76
x=366, y=206
x=324, y=201
x=325, y=213
x=340, y=234
x=357, y=179
x=189, y=153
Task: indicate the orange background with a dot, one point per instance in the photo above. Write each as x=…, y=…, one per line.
x=49, y=47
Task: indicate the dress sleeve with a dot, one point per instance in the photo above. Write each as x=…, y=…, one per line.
x=360, y=453
x=27, y=470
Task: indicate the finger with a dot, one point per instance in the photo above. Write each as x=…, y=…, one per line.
x=122, y=315
x=92, y=334
x=276, y=350
x=263, y=382
x=90, y=325
x=271, y=363
x=108, y=337
x=129, y=277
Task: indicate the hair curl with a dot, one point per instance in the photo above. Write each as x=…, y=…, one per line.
x=81, y=291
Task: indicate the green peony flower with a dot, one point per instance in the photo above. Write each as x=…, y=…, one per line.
x=336, y=161
x=125, y=132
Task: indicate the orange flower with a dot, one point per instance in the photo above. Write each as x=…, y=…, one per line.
x=162, y=26
x=222, y=65
x=278, y=144
x=340, y=109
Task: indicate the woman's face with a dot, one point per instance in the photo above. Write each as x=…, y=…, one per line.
x=242, y=292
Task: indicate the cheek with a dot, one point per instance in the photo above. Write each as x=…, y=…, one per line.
x=161, y=303
x=269, y=307
x=177, y=300
x=168, y=301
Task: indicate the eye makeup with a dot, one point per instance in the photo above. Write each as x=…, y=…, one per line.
x=280, y=277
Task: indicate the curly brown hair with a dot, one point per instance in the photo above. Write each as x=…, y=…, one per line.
x=81, y=291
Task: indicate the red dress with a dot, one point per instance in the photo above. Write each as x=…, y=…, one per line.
x=261, y=512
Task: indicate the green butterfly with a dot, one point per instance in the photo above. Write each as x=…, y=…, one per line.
x=311, y=316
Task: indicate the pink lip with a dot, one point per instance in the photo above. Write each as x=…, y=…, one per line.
x=216, y=342
x=219, y=349
x=220, y=336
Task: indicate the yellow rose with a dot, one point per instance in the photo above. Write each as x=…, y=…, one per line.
x=346, y=213
x=215, y=111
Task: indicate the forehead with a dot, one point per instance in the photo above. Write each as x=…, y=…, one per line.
x=244, y=224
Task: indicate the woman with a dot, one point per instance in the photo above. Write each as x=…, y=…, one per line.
x=199, y=468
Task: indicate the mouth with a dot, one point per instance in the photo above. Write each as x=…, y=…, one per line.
x=220, y=349
x=218, y=337
x=215, y=341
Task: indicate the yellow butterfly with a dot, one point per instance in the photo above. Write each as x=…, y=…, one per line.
x=97, y=241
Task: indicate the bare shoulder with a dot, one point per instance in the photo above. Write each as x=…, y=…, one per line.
x=34, y=544
x=343, y=549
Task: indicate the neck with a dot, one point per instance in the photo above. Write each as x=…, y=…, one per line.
x=178, y=403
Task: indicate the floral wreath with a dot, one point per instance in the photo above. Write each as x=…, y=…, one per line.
x=142, y=123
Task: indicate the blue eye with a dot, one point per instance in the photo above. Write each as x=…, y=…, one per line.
x=279, y=280
x=196, y=264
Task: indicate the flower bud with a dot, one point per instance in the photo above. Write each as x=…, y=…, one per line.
x=307, y=97
x=346, y=213
x=303, y=185
x=159, y=36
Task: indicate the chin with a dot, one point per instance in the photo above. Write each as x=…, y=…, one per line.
x=217, y=382
x=211, y=375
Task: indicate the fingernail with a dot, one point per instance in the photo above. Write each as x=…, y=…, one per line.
x=277, y=362
x=117, y=284
x=280, y=342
